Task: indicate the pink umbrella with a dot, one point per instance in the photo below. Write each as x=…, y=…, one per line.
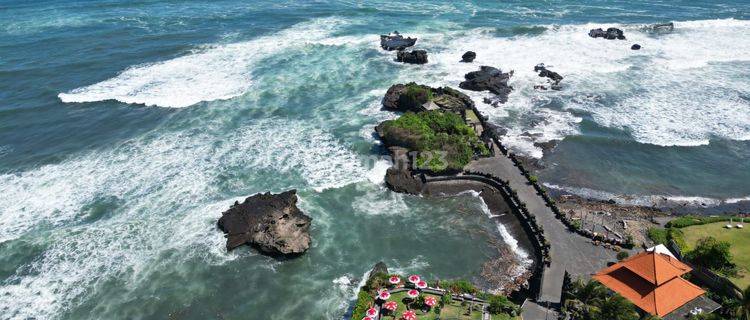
x=421, y=284
x=414, y=278
x=366, y=318
x=412, y=293
x=391, y=305
x=430, y=301
x=372, y=312
x=409, y=315
x=394, y=280
x=384, y=295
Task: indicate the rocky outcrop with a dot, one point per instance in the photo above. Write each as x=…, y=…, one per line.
x=635, y=47
x=395, y=41
x=379, y=267
x=270, y=222
x=553, y=78
x=444, y=98
x=402, y=181
x=469, y=56
x=413, y=57
x=610, y=34
x=489, y=79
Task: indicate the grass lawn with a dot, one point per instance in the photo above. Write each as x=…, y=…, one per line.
x=739, y=238
x=449, y=312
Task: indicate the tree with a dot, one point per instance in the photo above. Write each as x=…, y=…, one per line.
x=622, y=255
x=617, y=308
x=744, y=309
x=713, y=254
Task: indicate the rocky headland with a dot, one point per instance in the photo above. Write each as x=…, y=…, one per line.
x=272, y=223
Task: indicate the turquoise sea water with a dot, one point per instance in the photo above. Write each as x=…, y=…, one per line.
x=127, y=127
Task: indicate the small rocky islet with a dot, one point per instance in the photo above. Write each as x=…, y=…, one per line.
x=272, y=223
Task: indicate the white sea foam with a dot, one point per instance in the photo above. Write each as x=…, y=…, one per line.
x=522, y=255
x=645, y=200
x=167, y=190
x=671, y=92
x=213, y=73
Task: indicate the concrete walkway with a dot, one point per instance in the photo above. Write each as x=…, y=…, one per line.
x=569, y=251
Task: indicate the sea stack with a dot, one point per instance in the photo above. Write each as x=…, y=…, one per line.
x=395, y=41
x=270, y=222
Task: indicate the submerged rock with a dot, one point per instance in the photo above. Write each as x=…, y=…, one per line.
x=660, y=27
x=270, y=222
x=610, y=34
x=553, y=77
x=469, y=56
x=413, y=57
x=395, y=41
x=635, y=47
x=489, y=79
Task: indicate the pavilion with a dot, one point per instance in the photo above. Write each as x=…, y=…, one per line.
x=652, y=281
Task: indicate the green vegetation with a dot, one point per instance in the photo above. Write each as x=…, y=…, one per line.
x=592, y=301
x=364, y=300
x=687, y=221
x=713, y=254
x=663, y=236
x=622, y=255
x=445, y=310
x=739, y=246
x=443, y=140
x=415, y=96
x=743, y=310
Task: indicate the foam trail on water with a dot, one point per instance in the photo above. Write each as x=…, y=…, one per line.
x=213, y=73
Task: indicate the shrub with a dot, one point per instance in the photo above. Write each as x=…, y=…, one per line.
x=415, y=96
x=622, y=255
x=362, y=304
x=713, y=254
x=500, y=304
x=446, y=299
x=460, y=286
x=687, y=221
x=442, y=139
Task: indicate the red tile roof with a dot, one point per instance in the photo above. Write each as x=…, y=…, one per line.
x=651, y=281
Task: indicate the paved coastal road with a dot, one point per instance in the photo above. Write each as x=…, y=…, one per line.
x=569, y=251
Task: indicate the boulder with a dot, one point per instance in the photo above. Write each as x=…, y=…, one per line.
x=402, y=181
x=395, y=41
x=469, y=56
x=610, y=34
x=635, y=47
x=270, y=222
x=413, y=57
x=489, y=79
x=379, y=267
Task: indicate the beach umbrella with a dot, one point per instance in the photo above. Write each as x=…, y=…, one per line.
x=412, y=293
x=372, y=312
x=394, y=280
x=421, y=284
x=430, y=301
x=384, y=294
x=366, y=318
x=409, y=315
x=414, y=278
x=391, y=305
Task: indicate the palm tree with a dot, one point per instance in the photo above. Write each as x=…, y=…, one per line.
x=744, y=309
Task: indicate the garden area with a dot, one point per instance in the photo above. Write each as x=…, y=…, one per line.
x=393, y=297
x=708, y=242
x=739, y=246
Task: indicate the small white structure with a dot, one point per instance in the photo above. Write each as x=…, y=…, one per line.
x=660, y=248
x=739, y=225
x=729, y=226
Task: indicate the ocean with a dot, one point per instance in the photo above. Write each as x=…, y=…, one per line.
x=127, y=127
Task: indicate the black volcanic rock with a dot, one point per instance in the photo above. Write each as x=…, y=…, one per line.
x=413, y=57
x=610, y=34
x=469, y=56
x=270, y=222
x=489, y=79
x=395, y=41
x=554, y=77
x=635, y=47
x=402, y=181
